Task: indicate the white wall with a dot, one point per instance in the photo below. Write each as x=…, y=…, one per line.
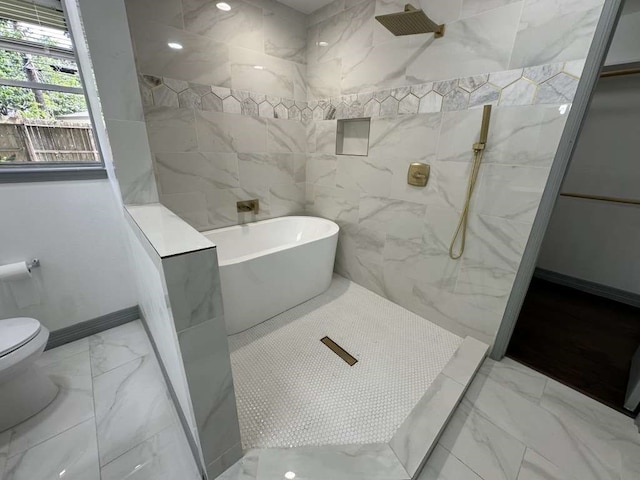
x=75, y=229
x=625, y=47
x=595, y=240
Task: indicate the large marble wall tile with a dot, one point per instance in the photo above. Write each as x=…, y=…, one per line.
x=171, y=129
x=441, y=12
x=250, y=69
x=466, y=315
x=258, y=169
x=524, y=136
x=167, y=12
x=460, y=130
x=363, y=174
x=132, y=404
x=416, y=134
x=576, y=452
x=402, y=219
x=488, y=450
x=207, y=365
x=471, y=46
x=201, y=59
x=346, y=33
x=324, y=79
x=132, y=160
x=321, y=169
x=326, y=133
x=191, y=207
x=543, y=38
x=300, y=83
x=165, y=456
x=510, y=192
x=474, y=7
x=327, y=11
x=382, y=65
x=72, y=454
x=196, y=171
x=194, y=288
x=221, y=132
x=117, y=346
x=242, y=26
x=286, y=199
x=72, y=405
x=447, y=186
x=337, y=204
x=222, y=210
x=285, y=34
x=286, y=136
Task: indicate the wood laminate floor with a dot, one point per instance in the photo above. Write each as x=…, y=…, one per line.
x=579, y=339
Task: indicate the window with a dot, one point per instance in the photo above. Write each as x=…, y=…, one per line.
x=44, y=118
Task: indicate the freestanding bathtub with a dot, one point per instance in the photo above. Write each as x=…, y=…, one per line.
x=270, y=266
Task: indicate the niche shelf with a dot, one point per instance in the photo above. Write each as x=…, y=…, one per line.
x=353, y=137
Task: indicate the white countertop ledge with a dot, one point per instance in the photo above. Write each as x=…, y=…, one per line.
x=167, y=233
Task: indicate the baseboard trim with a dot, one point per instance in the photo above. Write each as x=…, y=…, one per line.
x=605, y=291
x=181, y=415
x=93, y=326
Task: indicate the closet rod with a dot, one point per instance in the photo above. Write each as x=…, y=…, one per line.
x=620, y=70
x=627, y=201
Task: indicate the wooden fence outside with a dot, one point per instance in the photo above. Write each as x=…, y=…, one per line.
x=47, y=141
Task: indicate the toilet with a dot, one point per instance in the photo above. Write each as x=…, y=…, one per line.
x=24, y=388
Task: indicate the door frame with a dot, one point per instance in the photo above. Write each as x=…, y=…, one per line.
x=603, y=36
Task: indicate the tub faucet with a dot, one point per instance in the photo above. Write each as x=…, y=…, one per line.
x=246, y=206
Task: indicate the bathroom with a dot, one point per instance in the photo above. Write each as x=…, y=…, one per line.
x=247, y=281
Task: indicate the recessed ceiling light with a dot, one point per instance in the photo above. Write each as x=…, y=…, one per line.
x=322, y=44
x=289, y=475
x=258, y=67
x=175, y=46
x=224, y=6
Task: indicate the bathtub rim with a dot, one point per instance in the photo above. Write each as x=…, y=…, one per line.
x=269, y=251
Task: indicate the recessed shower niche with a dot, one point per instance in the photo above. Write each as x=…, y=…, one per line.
x=353, y=137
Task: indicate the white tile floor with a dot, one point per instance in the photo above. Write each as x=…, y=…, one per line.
x=513, y=424
x=113, y=418
x=293, y=391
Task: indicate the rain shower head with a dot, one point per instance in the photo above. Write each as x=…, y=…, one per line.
x=410, y=22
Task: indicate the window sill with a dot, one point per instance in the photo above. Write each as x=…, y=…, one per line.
x=51, y=174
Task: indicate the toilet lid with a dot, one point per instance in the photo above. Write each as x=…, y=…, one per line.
x=15, y=332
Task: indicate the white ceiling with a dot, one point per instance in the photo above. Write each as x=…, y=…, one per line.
x=306, y=6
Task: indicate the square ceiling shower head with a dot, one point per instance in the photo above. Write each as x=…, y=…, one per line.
x=410, y=22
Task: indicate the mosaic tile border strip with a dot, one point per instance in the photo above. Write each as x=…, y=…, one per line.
x=554, y=83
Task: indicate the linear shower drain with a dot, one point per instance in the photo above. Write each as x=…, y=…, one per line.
x=338, y=350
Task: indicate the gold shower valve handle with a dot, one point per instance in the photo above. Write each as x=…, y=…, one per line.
x=418, y=174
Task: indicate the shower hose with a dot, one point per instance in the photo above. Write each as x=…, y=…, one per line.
x=461, y=230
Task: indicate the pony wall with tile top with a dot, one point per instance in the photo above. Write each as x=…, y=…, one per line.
x=181, y=303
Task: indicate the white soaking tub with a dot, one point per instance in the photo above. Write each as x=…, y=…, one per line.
x=270, y=266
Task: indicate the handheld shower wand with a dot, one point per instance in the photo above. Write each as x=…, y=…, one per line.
x=478, y=150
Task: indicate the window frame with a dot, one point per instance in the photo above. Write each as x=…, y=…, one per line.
x=54, y=171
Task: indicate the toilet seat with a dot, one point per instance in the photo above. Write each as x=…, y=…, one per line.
x=17, y=332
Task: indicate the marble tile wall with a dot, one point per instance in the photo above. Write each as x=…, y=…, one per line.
x=221, y=130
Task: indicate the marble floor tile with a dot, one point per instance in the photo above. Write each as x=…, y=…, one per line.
x=165, y=456
x=132, y=405
x=63, y=351
x=488, y=450
x=576, y=451
x=515, y=376
x=442, y=465
x=117, y=346
x=72, y=405
x=71, y=455
x=536, y=467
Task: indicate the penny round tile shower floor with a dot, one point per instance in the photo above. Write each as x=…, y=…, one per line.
x=292, y=390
